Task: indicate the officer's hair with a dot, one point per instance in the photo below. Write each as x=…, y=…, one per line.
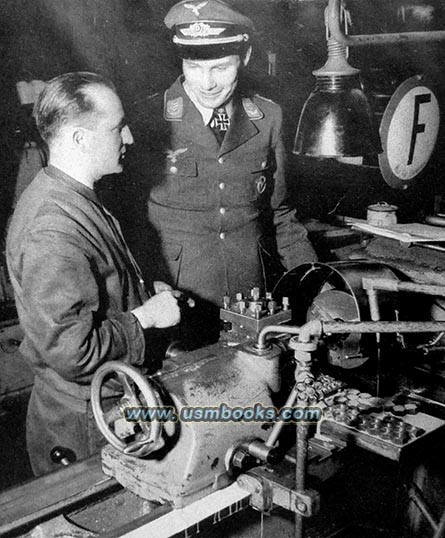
x=66, y=98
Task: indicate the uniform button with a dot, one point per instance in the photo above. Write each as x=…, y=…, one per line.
x=220, y=160
x=173, y=169
x=222, y=186
x=222, y=210
x=222, y=235
x=263, y=164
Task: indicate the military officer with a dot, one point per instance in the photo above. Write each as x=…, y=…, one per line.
x=216, y=162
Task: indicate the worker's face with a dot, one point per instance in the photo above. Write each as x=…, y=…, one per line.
x=110, y=134
x=212, y=82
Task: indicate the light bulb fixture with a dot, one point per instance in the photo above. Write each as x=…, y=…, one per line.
x=336, y=120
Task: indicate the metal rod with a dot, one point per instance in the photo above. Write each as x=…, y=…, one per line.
x=318, y=327
x=370, y=284
x=278, y=426
x=372, y=327
x=301, y=470
x=334, y=24
x=303, y=370
x=430, y=247
x=374, y=310
x=440, y=531
x=416, y=496
x=420, y=398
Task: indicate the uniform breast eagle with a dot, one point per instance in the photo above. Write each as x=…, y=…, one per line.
x=173, y=154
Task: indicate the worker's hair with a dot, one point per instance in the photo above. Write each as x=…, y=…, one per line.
x=66, y=98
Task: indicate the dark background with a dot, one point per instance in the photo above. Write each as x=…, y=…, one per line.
x=127, y=41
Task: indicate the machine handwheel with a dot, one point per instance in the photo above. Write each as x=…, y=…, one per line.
x=137, y=392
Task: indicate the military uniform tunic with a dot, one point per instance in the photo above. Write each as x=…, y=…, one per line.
x=216, y=208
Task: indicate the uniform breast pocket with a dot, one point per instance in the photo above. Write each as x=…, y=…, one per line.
x=188, y=188
x=261, y=182
x=251, y=183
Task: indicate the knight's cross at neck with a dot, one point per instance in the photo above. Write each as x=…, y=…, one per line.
x=220, y=123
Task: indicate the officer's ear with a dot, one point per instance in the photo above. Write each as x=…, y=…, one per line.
x=247, y=56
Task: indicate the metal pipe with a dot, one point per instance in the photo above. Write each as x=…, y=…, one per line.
x=370, y=284
x=310, y=329
x=275, y=329
x=372, y=327
x=435, y=220
x=303, y=375
x=440, y=531
x=420, y=398
x=318, y=327
x=302, y=434
x=278, y=426
x=334, y=24
x=429, y=246
x=374, y=310
x=416, y=496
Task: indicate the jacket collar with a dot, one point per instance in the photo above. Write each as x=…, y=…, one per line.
x=241, y=129
x=59, y=175
x=178, y=108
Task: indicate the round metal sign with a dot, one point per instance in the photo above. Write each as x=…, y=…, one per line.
x=408, y=132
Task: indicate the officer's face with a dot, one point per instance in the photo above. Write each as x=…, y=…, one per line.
x=212, y=81
x=110, y=134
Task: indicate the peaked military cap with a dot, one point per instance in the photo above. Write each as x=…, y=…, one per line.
x=208, y=29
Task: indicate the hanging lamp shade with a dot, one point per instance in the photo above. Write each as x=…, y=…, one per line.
x=336, y=120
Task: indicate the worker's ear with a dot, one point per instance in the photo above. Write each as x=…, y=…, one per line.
x=247, y=56
x=79, y=138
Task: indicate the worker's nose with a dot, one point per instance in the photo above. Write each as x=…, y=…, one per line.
x=127, y=137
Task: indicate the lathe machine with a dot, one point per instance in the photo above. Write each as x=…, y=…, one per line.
x=239, y=422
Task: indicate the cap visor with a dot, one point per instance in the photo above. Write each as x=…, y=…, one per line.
x=209, y=52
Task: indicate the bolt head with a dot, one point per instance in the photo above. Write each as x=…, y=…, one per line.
x=301, y=507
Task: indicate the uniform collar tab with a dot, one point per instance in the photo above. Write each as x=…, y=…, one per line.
x=173, y=108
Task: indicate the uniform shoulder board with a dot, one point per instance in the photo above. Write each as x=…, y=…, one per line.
x=173, y=108
x=251, y=109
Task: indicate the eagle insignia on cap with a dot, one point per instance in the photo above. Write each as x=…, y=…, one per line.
x=252, y=110
x=200, y=29
x=196, y=7
x=174, y=109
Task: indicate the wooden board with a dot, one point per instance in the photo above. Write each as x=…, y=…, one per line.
x=405, y=233
x=49, y=495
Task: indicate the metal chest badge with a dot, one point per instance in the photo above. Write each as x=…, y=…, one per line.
x=261, y=184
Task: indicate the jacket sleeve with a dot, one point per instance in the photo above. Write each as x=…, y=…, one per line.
x=293, y=245
x=70, y=320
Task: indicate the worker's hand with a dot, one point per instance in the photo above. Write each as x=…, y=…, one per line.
x=183, y=298
x=159, y=286
x=159, y=312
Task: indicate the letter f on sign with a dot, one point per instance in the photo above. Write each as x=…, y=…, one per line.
x=417, y=127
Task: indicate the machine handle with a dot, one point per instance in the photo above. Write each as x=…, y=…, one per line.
x=137, y=392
